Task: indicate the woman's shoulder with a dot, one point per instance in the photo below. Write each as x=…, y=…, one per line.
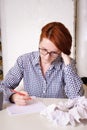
x=28, y=55
x=27, y=58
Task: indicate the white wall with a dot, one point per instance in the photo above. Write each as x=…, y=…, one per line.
x=81, y=45
x=22, y=20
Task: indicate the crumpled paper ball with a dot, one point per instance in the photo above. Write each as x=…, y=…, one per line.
x=72, y=111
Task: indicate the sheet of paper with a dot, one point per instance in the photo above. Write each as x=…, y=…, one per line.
x=30, y=108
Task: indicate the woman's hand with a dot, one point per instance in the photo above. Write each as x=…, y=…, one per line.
x=20, y=99
x=66, y=58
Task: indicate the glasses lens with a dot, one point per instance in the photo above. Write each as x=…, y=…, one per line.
x=54, y=54
x=43, y=51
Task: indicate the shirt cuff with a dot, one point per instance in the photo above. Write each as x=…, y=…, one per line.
x=10, y=98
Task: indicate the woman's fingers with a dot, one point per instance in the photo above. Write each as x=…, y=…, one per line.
x=20, y=99
x=66, y=58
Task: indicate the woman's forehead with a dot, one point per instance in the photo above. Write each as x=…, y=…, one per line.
x=47, y=44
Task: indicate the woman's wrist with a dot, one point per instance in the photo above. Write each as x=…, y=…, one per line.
x=11, y=98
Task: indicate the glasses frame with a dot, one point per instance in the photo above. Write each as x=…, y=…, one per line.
x=44, y=52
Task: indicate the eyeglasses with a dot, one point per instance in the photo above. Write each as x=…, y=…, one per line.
x=45, y=52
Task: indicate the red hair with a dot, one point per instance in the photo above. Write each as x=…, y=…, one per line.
x=59, y=35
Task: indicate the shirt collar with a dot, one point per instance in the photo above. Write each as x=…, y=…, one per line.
x=36, y=58
x=55, y=64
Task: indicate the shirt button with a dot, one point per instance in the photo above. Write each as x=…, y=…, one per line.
x=44, y=91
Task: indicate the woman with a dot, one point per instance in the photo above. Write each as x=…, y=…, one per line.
x=47, y=73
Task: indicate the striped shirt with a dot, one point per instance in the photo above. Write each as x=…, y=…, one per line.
x=60, y=81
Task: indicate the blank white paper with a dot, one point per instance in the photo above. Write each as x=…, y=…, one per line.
x=30, y=108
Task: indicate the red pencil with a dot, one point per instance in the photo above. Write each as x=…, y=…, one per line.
x=20, y=93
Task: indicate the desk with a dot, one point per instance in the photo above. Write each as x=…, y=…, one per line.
x=33, y=121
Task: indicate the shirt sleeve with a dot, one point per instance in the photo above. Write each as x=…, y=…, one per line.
x=12, y=79
x=73, y=83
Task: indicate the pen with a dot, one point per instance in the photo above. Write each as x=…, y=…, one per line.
x=20, y=93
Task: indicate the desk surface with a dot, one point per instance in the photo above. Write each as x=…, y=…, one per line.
x=33, y=121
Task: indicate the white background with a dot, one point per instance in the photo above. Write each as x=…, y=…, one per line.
x=81, y=44
x=22, y=20
x=21, y=23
